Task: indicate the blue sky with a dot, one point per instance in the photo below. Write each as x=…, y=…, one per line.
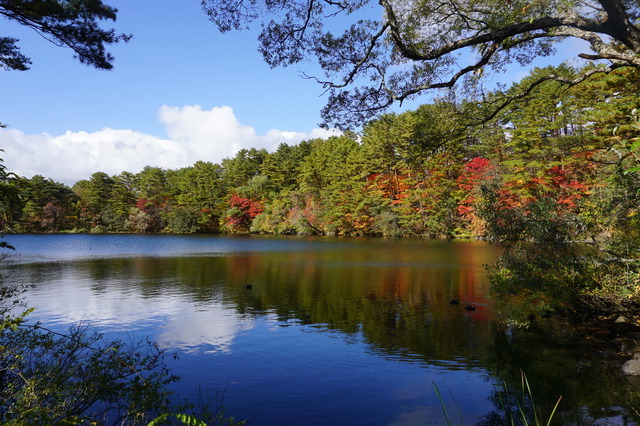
x=180, y=92
x=176, y=57
x=177, y=82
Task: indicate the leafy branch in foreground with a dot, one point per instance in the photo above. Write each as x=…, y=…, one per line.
x=566, y=246
x=73, y=24
x=79, y=377
x=51, y=377
x=48, y=377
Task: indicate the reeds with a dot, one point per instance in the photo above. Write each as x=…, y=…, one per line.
x=516, y=409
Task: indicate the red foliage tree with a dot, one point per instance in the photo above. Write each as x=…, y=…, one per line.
x=241, y=213
x=475, y=172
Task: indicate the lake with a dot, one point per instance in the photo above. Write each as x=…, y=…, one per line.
x=342, y=331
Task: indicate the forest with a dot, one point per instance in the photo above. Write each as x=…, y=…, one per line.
x=552, y=177
x=559, y=166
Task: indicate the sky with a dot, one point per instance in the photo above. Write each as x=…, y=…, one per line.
x=180, y=92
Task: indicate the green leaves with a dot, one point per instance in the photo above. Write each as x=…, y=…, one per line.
x=184, y=419
x=377, y=54
x=73, y=24
x=10, y=56
x=13, y=322
x=188, y=419
x=634, y=143
x=52, y=377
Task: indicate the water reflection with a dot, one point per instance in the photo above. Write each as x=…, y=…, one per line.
x=332, y=330
x=395, y=301
x=210, y=329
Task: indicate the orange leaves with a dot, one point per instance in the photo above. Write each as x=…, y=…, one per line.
x=564, y=184
x=392, y=186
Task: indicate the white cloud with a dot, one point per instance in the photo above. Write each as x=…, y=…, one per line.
x=194, y=134
x=216, y=133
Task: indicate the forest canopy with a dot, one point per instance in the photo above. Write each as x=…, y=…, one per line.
x=551, y=171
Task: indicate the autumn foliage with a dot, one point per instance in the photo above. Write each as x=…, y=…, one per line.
x=241, y=213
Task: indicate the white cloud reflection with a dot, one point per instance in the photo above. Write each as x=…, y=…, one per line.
x=213, y=329
x=172, y=320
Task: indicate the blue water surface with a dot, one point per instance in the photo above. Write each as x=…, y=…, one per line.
x=331, y=330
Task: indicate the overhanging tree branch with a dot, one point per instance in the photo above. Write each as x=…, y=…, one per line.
x=75, y=25
x=409, y=47
x=499, y=104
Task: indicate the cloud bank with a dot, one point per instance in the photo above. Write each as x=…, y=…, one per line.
x=193, y=134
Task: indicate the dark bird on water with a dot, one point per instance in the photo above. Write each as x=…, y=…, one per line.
x=454, y=302
x=470, y=308
x=247, y=287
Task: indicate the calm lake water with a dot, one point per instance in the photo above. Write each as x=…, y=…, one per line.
x=332, y=331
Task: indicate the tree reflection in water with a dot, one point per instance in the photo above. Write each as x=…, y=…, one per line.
x=352, y=327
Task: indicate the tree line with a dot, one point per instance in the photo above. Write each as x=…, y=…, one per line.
x=419, y=173
x=557, y=167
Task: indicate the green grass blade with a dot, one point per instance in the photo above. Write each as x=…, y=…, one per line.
x=553, y=412
x=444, y=408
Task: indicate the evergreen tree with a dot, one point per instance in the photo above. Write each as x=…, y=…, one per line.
x=73, y=24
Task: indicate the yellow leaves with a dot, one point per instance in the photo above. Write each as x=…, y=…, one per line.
x=185, y=419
